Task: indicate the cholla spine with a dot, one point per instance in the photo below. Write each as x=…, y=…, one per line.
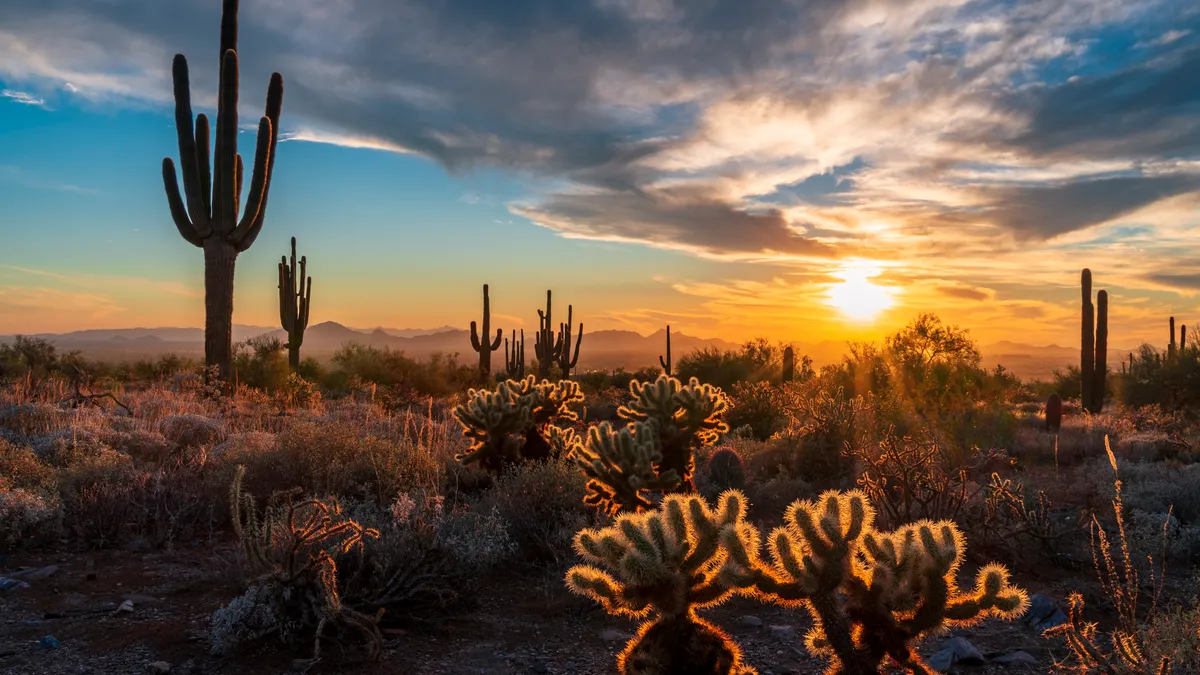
x=871, y=594
x=661, y=566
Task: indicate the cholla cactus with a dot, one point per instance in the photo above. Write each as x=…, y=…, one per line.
x=871, y=594
x=290, y=550
x=667, y=561
x=513, y=422
x=620, y=466
x=683, y=417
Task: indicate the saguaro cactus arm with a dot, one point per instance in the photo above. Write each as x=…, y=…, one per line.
x=1087, y=346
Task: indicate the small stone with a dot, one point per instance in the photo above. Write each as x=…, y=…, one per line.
x=139, y=599
x=539, y=667
x=1015, y=658
x=750, y=620
x=1055, y=619
x=36, y=573
x=965, y=652
x=159, y=667
x=126, y=607
x=7, y=584
x=49, y=642
x=782, y=632
x=1041, y=606
x=941, y=661
x=614, y=635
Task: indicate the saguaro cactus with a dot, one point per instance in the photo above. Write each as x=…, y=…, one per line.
x=295, y=297
x=1054, y=413
x=1171, y=345
x=565, y=361
x=1093, y=350
x=1101, y=360
x=479, y=342
x=789, y=364
x=514, y=357
x=1087, y=347
x=544, y=345
x=666, y=363
x=209, y=219
x=1182, y=338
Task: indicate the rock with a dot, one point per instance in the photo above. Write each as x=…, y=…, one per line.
x=35, y=573
x=139, y=599
x=7, y=584
x=539, y=667
x=750, y=620
x=1041, y=606
x=1055, y=619
x=957, y=650
x=1014, y=658
x=126, y=607
x=782, y=632
x=159, y=667
x=614, y=635
x=49, y=642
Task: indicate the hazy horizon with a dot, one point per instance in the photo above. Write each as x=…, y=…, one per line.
x=803, y=172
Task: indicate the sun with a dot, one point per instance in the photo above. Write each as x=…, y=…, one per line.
x=856, y=298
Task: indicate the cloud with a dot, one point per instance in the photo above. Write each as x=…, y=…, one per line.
x=112, y=282
x=21, y=176
x=950, y=131
x=23, y=98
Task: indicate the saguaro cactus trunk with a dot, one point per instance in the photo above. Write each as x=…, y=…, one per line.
x=789, y=364
x=1101, y=360
x=1171, y=344
x=1087, y=347
x=544, y=345
x=295, y=296
x=209, y=219
x=565, y=361
x=666, y=363
x=479, y=340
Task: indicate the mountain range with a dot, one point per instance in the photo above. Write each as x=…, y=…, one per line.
x=601, y=349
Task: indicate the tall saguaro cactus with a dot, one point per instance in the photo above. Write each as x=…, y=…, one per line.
x=479, y=340
x=295, y=301
x=210, y=218
x=1087, y=346
x=514, y=357
x=666, y=363
x=544, y=345
x=565, y=360
x=1093, y=350
x=1171, y=345
x=789, y=364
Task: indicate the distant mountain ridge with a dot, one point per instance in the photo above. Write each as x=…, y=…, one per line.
x=601, y=349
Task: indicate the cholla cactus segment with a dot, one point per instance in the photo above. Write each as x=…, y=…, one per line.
x=664, y=563
x=490, y=419
x=684, y=417
x=620, y=466
x=871, y=594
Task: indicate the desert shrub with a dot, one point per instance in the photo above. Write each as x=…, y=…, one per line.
x=1147, y=446
x=33, y=419
x=20, y=468
x=192, y=431
x=542, y=503
x=1174, y=635
x=261, y=362
x=428, y=555
x=27, y=517
x=140, y=444
x=172, y=505
x=96, y=499
x=71, y=446
x=755, y=361
x=816, y=446
x=438, y=375
x=761, y=406
x=1169, y=380
x=297, y=392
x=238, y=447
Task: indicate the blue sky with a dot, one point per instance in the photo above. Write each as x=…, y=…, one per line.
x=714, y=164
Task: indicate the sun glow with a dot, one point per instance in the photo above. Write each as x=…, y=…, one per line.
x=856, y=297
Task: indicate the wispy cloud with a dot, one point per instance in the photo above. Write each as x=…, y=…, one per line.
x=110, y=281
x=23, y=97
x=16, y=174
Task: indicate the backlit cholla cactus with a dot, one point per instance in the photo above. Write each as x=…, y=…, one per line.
x=620, y=466
x=513, y=423
x=683, y=417
x=871, y=594
x=662, y=566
